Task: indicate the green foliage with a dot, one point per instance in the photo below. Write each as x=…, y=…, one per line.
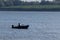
x=35, y=6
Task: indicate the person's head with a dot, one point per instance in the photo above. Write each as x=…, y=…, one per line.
x=18, y=23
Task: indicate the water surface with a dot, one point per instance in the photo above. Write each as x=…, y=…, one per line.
x=43, y=25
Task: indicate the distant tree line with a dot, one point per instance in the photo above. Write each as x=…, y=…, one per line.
x=18, y=3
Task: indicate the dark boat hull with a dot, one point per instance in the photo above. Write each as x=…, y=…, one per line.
x=20, y=27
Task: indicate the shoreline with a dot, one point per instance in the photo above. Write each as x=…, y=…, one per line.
x=24, y=9
x=31, y=8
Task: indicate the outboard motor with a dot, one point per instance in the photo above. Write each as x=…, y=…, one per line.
x=12, y=26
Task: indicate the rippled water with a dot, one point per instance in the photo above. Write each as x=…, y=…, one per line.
x=42, y=25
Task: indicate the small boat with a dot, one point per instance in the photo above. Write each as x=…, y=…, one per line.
x=20, y=26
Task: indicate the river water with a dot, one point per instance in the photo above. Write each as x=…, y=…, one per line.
x=42, y=25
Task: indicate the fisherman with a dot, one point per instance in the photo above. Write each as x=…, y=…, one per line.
x=18, y=24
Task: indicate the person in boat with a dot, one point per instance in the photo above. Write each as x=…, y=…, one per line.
x=18, y=24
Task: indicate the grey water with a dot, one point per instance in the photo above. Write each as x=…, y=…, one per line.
x=42, y=25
